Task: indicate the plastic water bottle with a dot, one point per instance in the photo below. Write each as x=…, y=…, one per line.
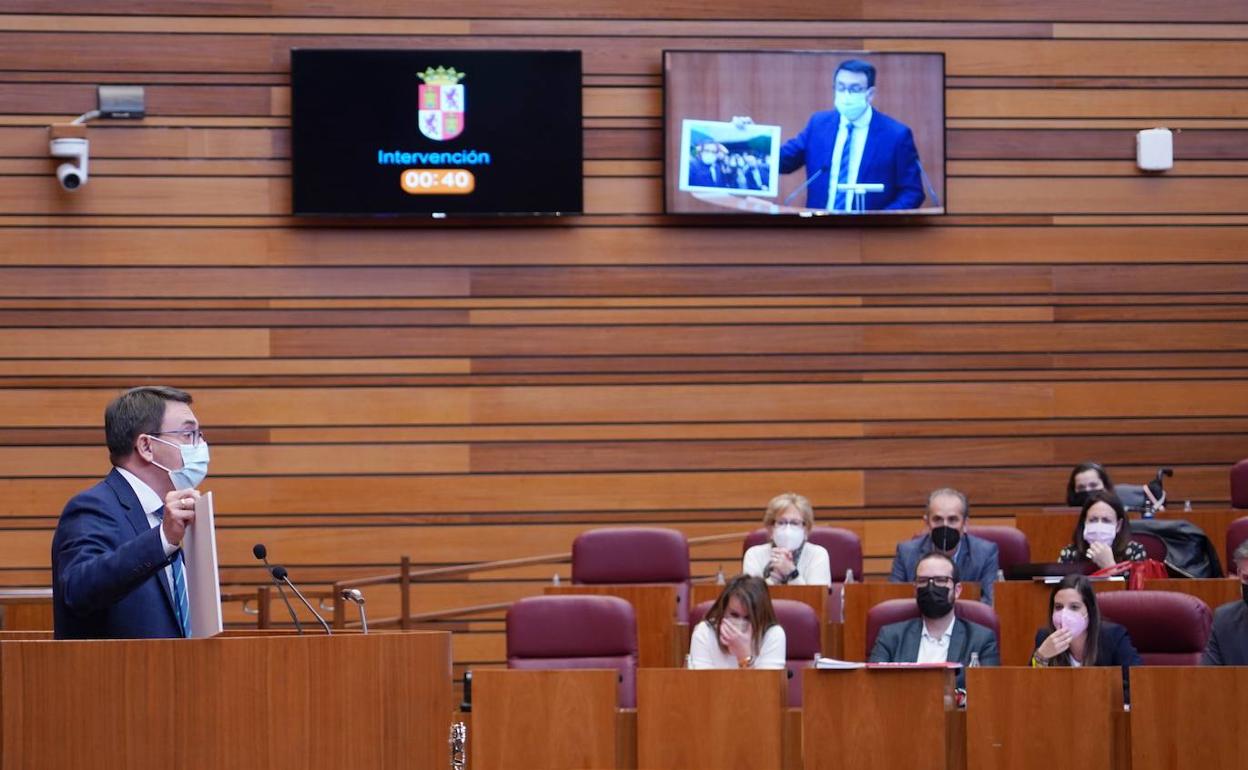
x=1187, y=506
x=719, y=576
x=555, y=580
x=688, y=661
x=849, y=574
x=974, y=660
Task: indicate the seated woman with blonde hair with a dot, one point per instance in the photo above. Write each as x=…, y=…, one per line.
x=789, y=558
x=740, y=629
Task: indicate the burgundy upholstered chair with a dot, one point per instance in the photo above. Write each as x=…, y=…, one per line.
x=801, y=638
x=1239, y=484
x=1236, y=533
x=1012, y=545
x=1166, y=627
x=844, y=548
x=634, y=555
x=559, y=632
x=1154, y=546
x=897, y=610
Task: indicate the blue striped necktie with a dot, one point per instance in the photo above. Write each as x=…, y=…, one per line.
x=842, y=175
x=181, y=601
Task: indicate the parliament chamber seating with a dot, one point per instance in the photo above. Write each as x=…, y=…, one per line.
x=897, y=610
x=1239, y=484
x=571, y=632
x=1167, y=628
x=1236, y=534
x=634, y=555
x=802, y=639
x=844, y=548
x=1011, y=543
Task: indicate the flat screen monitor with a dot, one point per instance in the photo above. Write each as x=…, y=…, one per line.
x=806, y=133
x=379, y=132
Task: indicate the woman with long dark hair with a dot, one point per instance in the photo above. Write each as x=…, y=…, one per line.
x=740, y=629
x=1102, y=535
x=1077, y=635
x=1087, y=477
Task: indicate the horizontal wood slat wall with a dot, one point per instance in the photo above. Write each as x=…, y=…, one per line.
x=487, y=390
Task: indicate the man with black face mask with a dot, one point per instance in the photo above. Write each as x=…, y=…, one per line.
x=938, y=636
x=945, y=521
x=1228, y=644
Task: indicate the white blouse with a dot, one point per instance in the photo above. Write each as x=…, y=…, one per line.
x=813, y=565
x=704, y=649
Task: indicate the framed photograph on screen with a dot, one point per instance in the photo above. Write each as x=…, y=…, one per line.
x=727, y=157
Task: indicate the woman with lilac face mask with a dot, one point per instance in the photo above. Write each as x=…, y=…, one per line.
x=740, y=629
x=1102, y=534
x=1077, y=636
x=789, y=557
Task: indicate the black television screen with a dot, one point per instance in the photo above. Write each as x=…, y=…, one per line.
x=436, y=132
x=766, y=132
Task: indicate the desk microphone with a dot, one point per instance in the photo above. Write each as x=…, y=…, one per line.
x=357, y=596
x=928, y=182
x=805, y=184
x=279, y=573
x=262, y=553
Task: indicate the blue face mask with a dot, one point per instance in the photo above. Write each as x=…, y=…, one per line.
x=851, y=105
x=194, y=464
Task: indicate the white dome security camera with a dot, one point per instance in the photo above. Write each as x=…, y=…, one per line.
x=73, y=173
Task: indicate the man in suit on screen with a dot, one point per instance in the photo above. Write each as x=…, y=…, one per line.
x=855, y=144
x=116, y=555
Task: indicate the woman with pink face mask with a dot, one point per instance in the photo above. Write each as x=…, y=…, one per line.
x=740, y=629
x=1076, y=634
x=1102, y=534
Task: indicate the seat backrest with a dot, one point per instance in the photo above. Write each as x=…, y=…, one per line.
x=1012, y=545
x=802, y=638
x=1154, y=546
x=1167, y=628
x=559, y=632
x=844, y=548
x=1236, y=534
x=1239, y=484
x=634, y=555
x=897, y=610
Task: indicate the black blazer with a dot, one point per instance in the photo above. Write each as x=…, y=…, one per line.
x=1114, y=648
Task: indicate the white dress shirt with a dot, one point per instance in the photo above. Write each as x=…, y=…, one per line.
x=813, y=565
x=151, y=503
x=704, y=649
x=855, y=155
x=935, y=648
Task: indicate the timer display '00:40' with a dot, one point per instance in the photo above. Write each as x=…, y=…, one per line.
x=438, y=181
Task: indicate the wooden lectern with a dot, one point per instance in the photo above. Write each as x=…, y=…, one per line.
x=547, y=719
x=1042, y=718
x=880, y=718
x=711, y=719
x=1188, y=718
x=1023, y=607
x=357, y=701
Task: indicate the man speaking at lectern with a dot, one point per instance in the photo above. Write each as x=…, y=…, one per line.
x=855, y=144
x=117, y=567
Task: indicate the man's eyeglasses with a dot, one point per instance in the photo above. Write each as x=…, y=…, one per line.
x=854, y=89
x=943, y=581
x=192, y=437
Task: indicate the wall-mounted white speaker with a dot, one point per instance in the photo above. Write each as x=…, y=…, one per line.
x=1154, y=149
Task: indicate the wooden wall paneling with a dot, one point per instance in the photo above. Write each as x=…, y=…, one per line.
x=487, y=389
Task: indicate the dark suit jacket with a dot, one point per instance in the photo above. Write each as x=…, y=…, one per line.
x=976, y=559
x=700, y=175
x=107, y=562
x=1228, y=644
x=889, y=157
x=1113, y=648
x=899, y=643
